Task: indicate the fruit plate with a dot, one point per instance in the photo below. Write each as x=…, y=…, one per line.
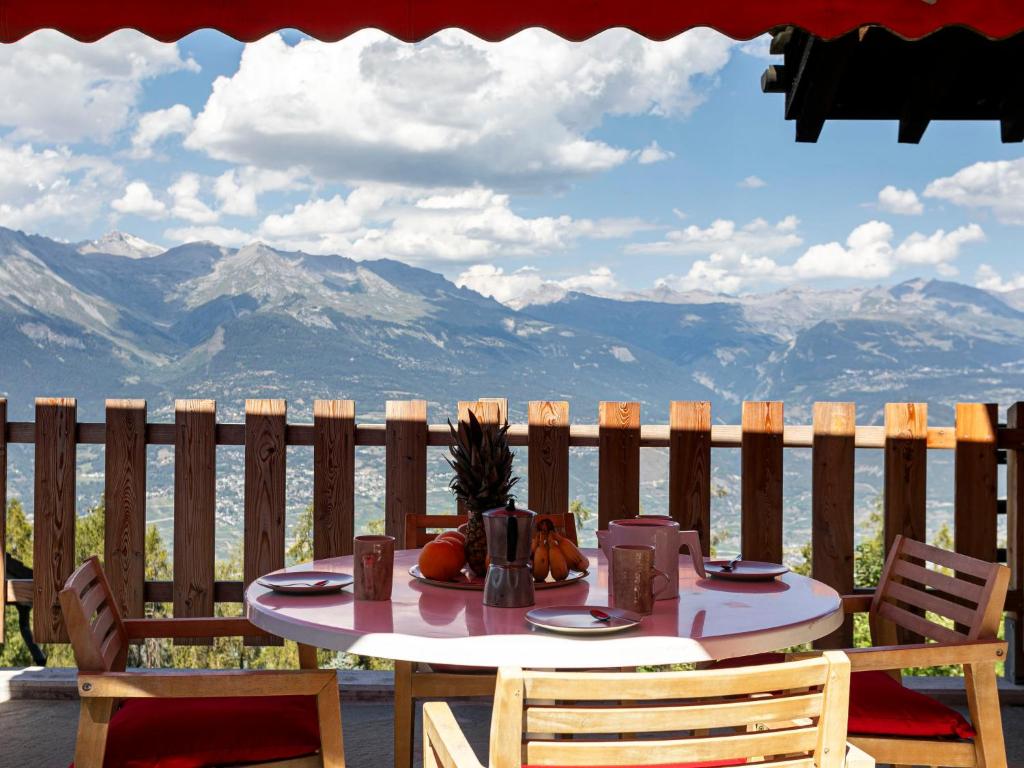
x=745, y=570
x=466, y=580
x=578, y=619
x=306, y=582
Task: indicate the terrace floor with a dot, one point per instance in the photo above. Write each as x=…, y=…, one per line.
x=41, y=732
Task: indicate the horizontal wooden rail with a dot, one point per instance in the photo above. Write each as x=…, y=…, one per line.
x=580, y=435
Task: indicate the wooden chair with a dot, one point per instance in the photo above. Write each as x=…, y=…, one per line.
x=907, y=602
x=904, y=727
x=674, y=718
x=419, y=681
x=207, y=718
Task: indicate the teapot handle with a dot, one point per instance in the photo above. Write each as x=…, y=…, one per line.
x=691, y=540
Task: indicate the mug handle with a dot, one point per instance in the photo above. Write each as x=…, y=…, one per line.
x=691, y=540
x=657, y=572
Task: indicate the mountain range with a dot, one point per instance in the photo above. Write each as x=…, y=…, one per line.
x=120, y=317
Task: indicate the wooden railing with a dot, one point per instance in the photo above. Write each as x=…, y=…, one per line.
x=979, y=443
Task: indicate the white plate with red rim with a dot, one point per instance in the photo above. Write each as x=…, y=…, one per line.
x=744, y=570
x=583, y=619
x=306, y=582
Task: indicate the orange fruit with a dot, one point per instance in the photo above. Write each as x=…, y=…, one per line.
x=454, y=536
x=442, y=559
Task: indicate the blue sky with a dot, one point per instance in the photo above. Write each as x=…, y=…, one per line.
x=522, y=168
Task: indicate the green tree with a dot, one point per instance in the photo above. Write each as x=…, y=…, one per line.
x=301, y=549
x=13, y=652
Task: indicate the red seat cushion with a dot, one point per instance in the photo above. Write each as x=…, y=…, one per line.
x=881, y=706
x=194, y=733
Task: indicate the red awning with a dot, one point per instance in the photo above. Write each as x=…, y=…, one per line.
x=412, y=20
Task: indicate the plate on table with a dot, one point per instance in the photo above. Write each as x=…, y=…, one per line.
x=745, y=570
x=468, y=580
x=578, y=619
x=306, y=582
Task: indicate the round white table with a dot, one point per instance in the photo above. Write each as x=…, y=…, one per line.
x=712, y=619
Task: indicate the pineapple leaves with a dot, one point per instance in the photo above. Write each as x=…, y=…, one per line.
x=482, y=462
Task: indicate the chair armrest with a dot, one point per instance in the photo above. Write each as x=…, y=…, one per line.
x=858, y=758
x=442, y=733
x=203, y=685
x=889, y=657
x=235, y=626
x=857, y=603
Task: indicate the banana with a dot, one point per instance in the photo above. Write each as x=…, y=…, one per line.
x=559, y=566
x=541, y=562
x=534, y=542
x=573, y=556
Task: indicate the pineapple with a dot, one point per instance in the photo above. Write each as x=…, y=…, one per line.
x=482, y=462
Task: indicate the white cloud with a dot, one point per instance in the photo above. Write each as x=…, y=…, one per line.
x=224, y=236
x=138, y=199
x=899, y=201
x=526, y=285
x=653, y=153
x=420, y=225
x=53, y=186
x=157, y=125
x=56, y=89
x=759, y=47
x=752, y=182
x=238, y=190
x=723, y=236
x=515, y=114
x=989, y=279
x=997, y=186
x=723, y=273
x=867, y=254
x=187, y=205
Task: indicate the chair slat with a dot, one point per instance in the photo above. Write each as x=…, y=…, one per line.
x=919, y=624
x=918, y=598
x=613, y=686
x=93, y=600
x=937, y=580
x=652, y=752
x=104, y=621
x=952, y=560
x=699, y=715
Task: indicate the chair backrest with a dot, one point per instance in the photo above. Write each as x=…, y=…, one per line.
x=418, y=527
x=800, y=708
x=921, y=583
x=94, y=625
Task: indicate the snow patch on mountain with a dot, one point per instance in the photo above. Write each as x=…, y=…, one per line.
x=121, y=244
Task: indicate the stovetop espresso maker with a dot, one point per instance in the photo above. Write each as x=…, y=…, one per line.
x=509, y=580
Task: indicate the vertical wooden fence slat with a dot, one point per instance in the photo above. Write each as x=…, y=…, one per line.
x=195, y=486
x=266, y=458
x=3, y=513
x=548, y=457
x=975, y=480
x=618, y=468
x=761, y=480
x=53, y=551
x=689, y=468
x=124, y=550
x=906, y=459
x=832, y=480
x=1015, y=543
x=405, y=464
x=334, y=477
x=906, y=462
